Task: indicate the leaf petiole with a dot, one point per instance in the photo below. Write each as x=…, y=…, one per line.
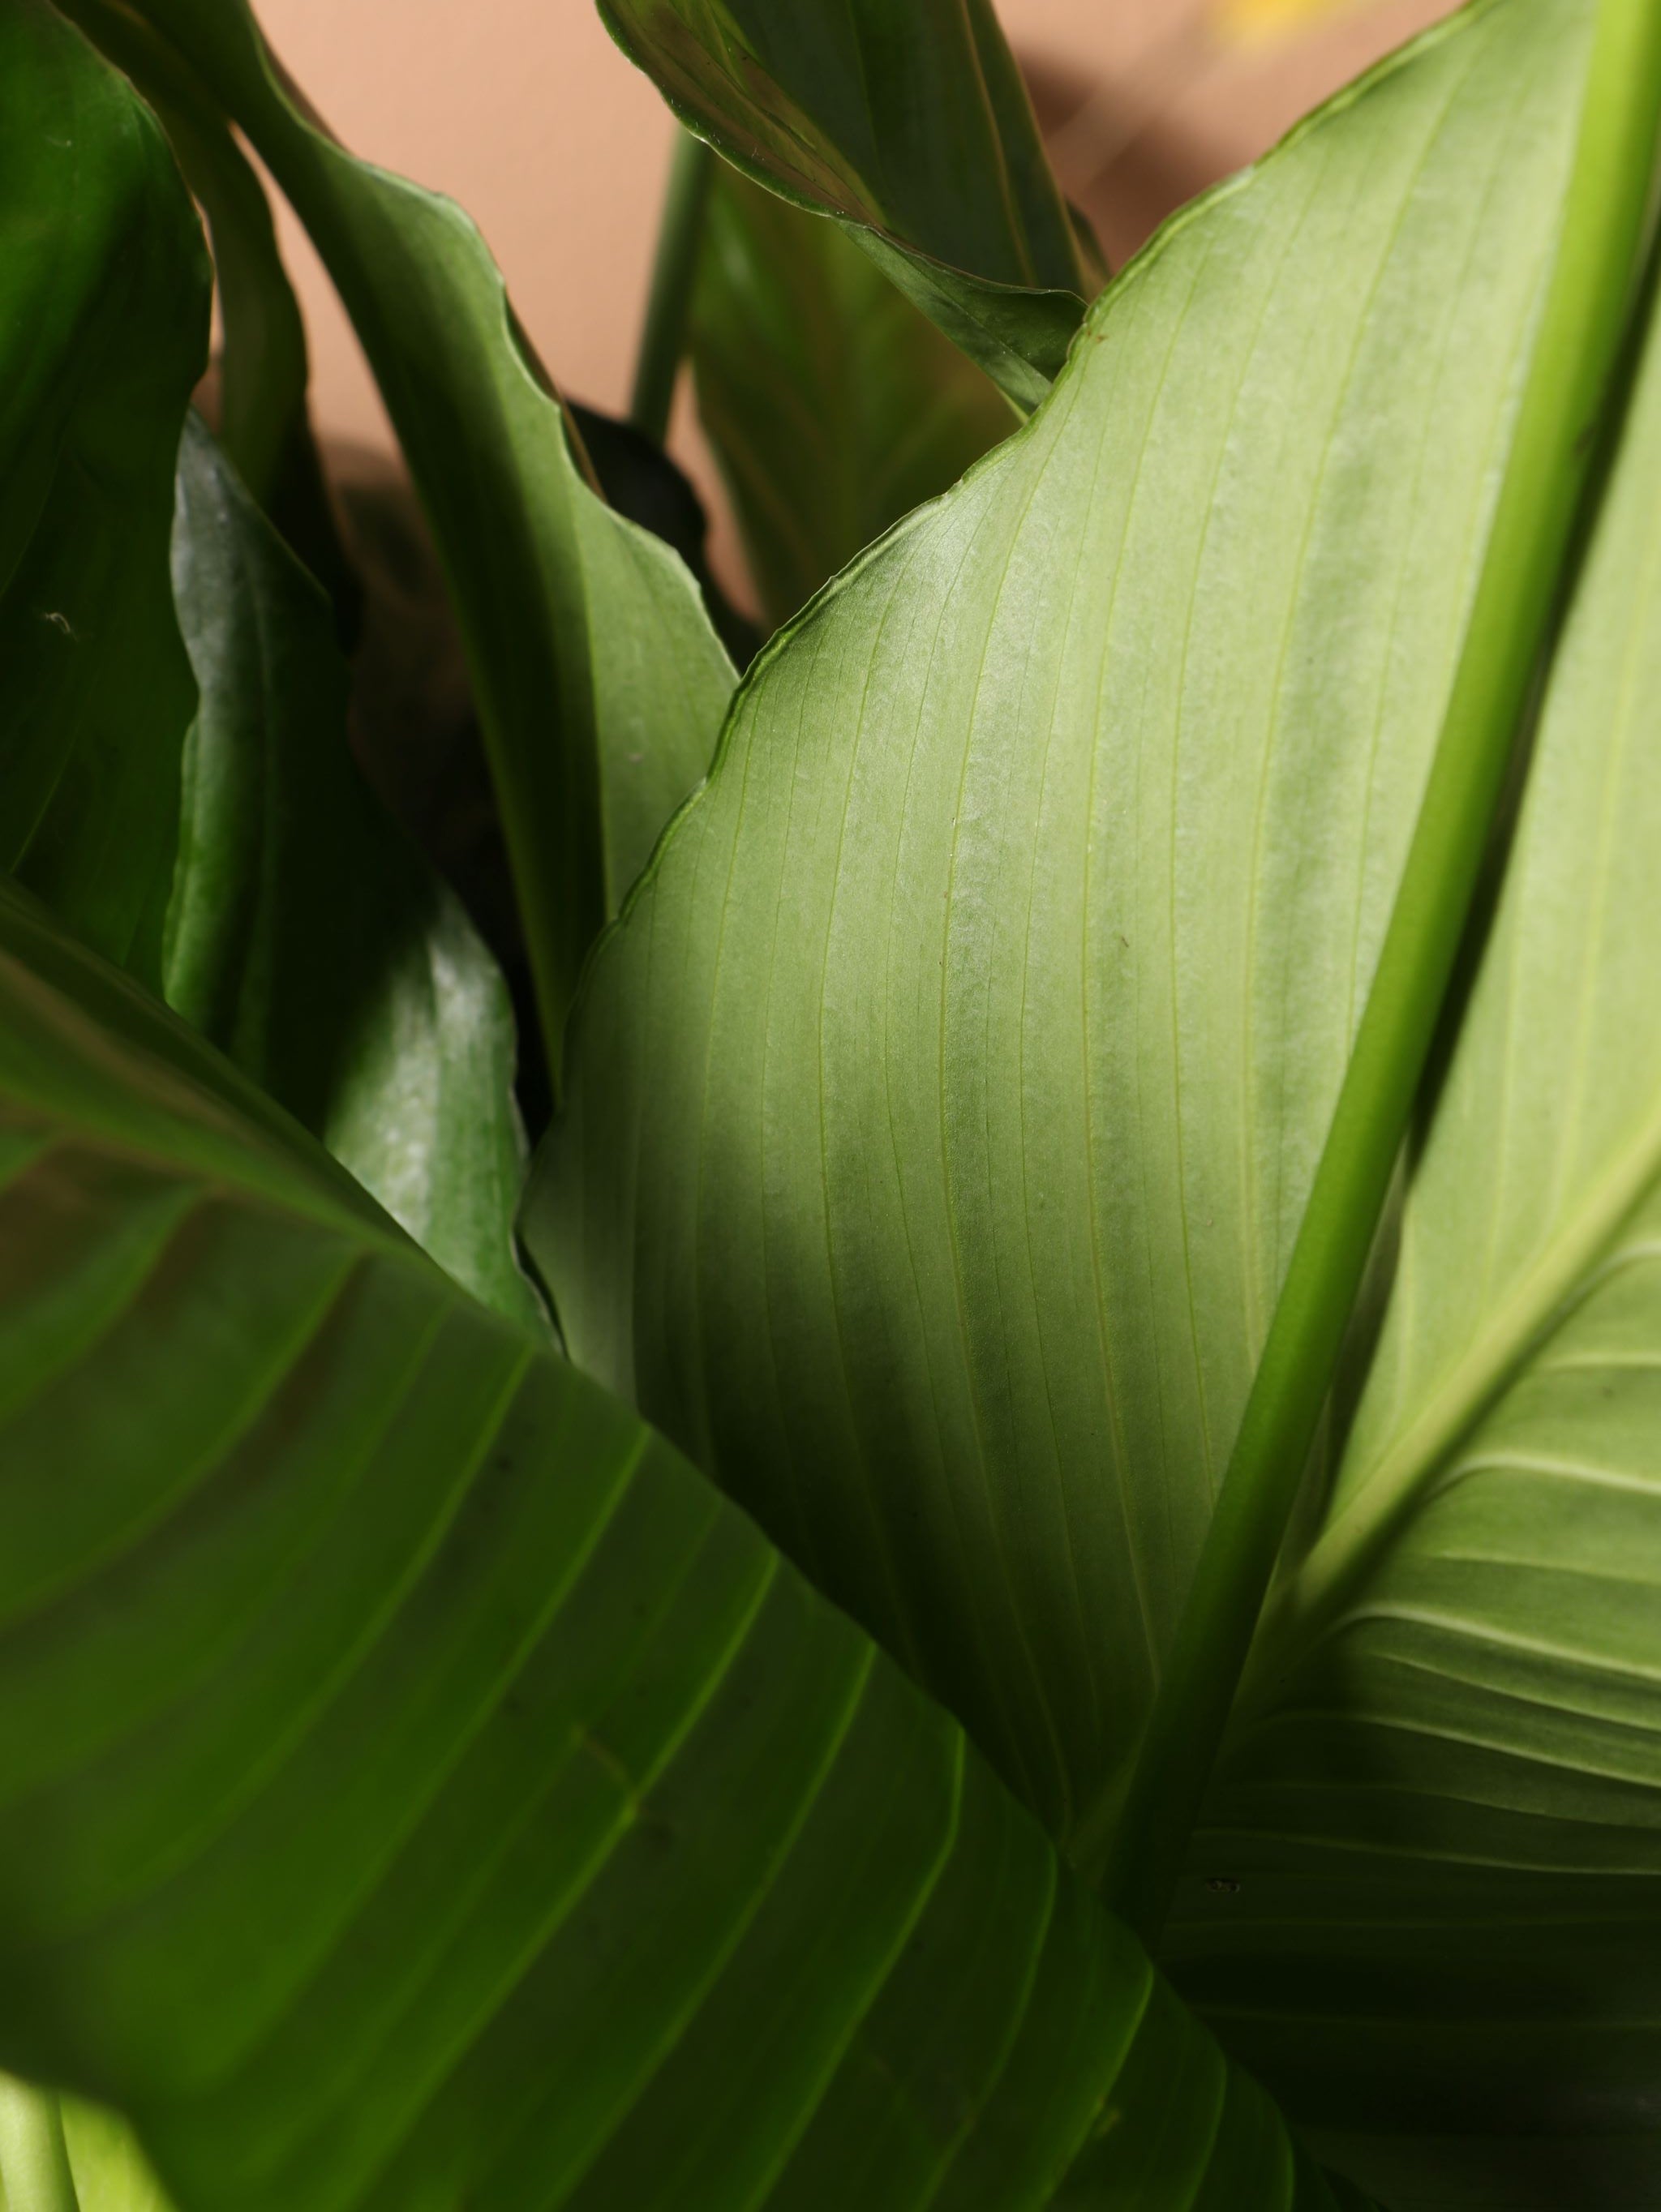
x=674, y=272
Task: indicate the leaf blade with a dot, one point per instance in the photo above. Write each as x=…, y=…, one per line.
x=832, y=406
x=1476, y=1589
x=304, y=937
x=590, y=724
x=545, y=1766
x=914, y=132
x=1008, y=1057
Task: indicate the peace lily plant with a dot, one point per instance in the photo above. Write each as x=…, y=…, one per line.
x=1023, y=1572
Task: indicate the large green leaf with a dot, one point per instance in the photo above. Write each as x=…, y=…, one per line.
x=945, y=1108
x=601, y=684
x=304, y=936
x=103, y=332
x=1443, y=1792
x=910, y=126
x=833, y=406
x=419, y=1788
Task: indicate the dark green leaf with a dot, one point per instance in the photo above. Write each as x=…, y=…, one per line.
x=103, y=332
x=419, y=1790
x=909, y=124
x=833, y=406
x=263, y=370
x=600, y=681
x=305, y=937
x=34, y=2158
x=942, y=1113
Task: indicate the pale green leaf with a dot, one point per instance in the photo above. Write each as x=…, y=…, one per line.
x=942, y=1114
x=1443, y=1793
x=111, y=2174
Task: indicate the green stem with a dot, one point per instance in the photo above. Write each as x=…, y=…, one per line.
x=1579, y=344
x=35, y=2160
x=680, y=236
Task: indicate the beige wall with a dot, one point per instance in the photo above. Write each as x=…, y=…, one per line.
x=525, y=111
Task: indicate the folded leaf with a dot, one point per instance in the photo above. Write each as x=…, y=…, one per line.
x=1443, y=1794
x=943, y=1112
x=103, y=332
x=832, y=406
x=601, y=684
x=419, y=1788
x=910, y=126
x=305, y=937
x=263, y=367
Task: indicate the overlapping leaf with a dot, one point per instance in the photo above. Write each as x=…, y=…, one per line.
x=943, y=1112
x=601, y=684
x=103, y=332
x=1443, y=1795
x=418, y=1788
x=833, y=407
x=264, y=422
x=304, y=937
x=909, y=125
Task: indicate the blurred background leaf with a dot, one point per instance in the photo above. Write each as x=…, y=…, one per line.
x=833, y=405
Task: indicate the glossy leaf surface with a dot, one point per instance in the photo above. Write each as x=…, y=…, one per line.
x=833, y=406
x=943, y=1113
x=304, y=936
x=911, y=126
x=1443, y=1794
x=418, y=1788
x=601, y=684
x=104, y=294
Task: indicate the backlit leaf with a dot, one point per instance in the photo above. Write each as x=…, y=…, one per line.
x=944, y=1109
x=1443, y=1792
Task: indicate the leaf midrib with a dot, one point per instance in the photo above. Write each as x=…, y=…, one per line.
x=1565, y=1270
